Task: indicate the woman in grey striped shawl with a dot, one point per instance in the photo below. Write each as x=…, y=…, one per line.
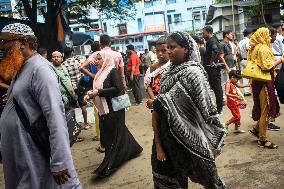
x=187, y=133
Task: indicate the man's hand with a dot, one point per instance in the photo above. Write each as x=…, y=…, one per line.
x=61, y=177
x=131, y=77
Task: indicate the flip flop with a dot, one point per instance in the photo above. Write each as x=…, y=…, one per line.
x=87, y=126
x=100, y=149
x=80, y=139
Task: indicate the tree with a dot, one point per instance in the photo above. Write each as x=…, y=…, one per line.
x=53, y=17
x=258, y=8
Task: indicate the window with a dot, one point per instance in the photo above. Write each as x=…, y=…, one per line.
x=171, y=1
x=171, y=11
x=75, y=29
x=196, y=16
x=169, y=19
x=139, y=22
x=150, y=3
x=204, y=15
x=105, y=27
x=94, y=26
x=177, y=18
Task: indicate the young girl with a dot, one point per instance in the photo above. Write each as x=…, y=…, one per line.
x=233, y=98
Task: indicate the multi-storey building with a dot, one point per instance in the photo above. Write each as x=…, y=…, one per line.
x=236, y=17
x=153, y=19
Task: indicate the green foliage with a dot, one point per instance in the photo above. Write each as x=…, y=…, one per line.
x=107, y=9
x=111, y=9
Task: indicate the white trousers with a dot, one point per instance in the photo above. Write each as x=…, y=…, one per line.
x=224, y=79
x=245, y=81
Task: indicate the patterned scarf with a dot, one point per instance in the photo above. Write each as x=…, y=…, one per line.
x=188, y=106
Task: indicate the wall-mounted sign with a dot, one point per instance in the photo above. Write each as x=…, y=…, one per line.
x=122, y=29
x=160, y=27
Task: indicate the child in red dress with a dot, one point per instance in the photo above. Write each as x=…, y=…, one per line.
x=233, y=99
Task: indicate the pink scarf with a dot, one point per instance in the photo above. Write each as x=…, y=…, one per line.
x=99, y=79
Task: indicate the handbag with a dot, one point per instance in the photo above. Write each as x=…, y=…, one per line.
x=254, y=72
x=39, y=132
x=120, y=102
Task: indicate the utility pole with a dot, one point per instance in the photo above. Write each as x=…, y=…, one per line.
x=233, y=12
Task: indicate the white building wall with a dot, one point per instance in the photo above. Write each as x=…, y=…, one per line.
x=156, y=17
x=183, y=15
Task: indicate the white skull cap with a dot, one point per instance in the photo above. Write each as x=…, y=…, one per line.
x=19, y=29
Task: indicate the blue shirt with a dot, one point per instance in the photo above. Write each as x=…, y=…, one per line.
x=93, y=69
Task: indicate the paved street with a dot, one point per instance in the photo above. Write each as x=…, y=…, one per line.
x=242, y=164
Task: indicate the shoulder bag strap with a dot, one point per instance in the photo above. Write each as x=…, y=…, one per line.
x=22, y=116
x=65, y=88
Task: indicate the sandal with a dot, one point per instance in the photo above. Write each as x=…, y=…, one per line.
x=80, y=139
x=100, y=149
x=86, y=127
x=254, y=132
x=96, y=138
x=267, y=144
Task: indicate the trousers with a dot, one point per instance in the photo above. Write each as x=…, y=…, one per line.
x=236, y=119
x=136, y=90
x=245, y=81
x=262, y=123
x=214, y=78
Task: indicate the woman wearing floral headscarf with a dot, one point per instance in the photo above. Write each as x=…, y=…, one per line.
x=187, y=132
x=266, y=106
x=119, y=144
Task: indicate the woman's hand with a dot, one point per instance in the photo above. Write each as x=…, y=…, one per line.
x=95, y=92
x=149, y=103
x=161, y=156
x=86, y=98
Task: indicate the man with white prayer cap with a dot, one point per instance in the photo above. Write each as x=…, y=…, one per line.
x=35, y=89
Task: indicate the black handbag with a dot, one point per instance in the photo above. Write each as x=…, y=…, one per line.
x=39, y=132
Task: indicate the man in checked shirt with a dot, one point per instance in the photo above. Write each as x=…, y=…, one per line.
x=72, y=64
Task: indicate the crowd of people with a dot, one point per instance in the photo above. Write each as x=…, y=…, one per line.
x=181, y=75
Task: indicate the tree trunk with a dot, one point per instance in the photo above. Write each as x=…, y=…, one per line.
x=262, y=12
x=47, y=35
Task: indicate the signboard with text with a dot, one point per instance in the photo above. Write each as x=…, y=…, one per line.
x=160, y=27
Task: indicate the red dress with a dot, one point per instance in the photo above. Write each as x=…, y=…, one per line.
x=232, y=104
